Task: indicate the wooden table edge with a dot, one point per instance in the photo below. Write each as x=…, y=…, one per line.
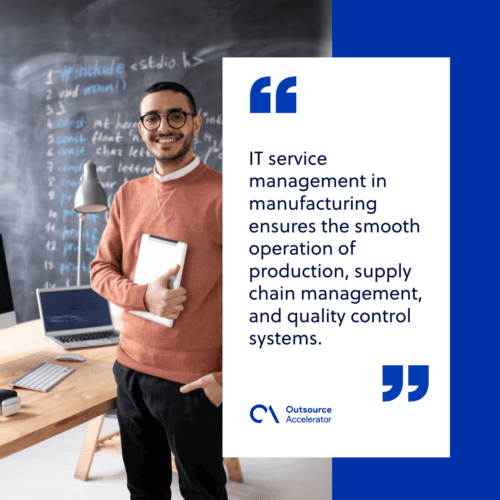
x=56, y=428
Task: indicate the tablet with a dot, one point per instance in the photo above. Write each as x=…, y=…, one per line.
x=156, y=256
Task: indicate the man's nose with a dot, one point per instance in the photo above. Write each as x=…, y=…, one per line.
x=164, y=125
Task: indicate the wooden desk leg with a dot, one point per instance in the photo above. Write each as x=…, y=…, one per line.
x=89, y=448
x=234, y=469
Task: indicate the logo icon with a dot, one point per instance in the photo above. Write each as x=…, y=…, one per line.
x=286, y=102
x=262, y=407
x=417, y=375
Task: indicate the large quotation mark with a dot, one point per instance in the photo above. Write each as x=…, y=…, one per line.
x=286, y=102
x=418, y=375
x=392, y=375
x=260, y=102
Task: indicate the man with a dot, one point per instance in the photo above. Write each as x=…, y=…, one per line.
x=169, y=379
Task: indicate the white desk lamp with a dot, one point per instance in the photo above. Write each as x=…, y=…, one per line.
x=90, y=198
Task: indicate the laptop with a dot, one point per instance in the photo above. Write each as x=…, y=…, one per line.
x=75, y=317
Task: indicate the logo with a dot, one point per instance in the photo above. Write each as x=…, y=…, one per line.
x=393, y=375
x=286, y=102
x=262, y=407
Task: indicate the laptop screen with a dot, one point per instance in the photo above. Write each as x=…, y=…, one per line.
x=70, y=309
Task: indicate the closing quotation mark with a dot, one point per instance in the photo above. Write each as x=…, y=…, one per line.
x=286, y=102
x=417, y=375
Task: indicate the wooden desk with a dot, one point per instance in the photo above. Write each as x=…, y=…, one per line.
x=88, y=392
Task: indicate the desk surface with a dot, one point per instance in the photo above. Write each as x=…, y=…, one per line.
x=87, y=393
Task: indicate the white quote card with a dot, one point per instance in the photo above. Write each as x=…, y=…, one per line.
x=336, y=257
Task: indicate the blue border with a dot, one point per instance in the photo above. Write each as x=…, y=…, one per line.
x=468, y=33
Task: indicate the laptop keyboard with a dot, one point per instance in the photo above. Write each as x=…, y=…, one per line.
x=87, y=336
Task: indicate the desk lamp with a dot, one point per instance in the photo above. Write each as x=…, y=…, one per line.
x=90, y=198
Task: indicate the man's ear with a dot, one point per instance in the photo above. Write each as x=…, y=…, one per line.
x=141, y=130
x=197, y=121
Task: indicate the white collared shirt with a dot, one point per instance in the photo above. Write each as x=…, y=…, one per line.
x=179, y=173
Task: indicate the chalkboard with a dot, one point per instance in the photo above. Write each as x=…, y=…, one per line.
x=71, y=78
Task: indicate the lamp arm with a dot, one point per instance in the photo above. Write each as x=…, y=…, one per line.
x=81, y=218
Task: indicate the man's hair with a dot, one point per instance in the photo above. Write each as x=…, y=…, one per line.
x=174, y=86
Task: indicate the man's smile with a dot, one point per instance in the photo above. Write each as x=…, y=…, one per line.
x=168, y=140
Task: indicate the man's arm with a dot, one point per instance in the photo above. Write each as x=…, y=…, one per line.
x=107, y=279
x=211, y=383
x=106, y=275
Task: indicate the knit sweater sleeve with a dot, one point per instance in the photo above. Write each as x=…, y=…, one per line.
x=218, y=215
x=106, y=276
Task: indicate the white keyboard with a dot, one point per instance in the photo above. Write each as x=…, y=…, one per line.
x=43, y=377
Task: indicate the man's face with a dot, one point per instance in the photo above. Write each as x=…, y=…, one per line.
x=169, y=145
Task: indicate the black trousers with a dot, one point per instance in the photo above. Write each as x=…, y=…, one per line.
x=155, y=419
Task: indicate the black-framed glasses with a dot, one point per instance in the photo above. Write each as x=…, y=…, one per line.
x=176, y=119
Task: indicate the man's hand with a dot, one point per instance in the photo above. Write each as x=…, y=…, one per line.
x=208, y=383
x=164, y=302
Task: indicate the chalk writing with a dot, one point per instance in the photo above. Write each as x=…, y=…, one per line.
x=74, y=123
x=80, y=127
x=91, y=71
x=166, y=62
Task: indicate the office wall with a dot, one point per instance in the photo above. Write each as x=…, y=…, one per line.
x=71, y=77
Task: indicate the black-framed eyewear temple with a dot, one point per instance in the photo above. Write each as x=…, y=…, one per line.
x=176, y=119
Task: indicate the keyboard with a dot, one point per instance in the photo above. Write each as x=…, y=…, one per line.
x=87, y=336
x=43, y=377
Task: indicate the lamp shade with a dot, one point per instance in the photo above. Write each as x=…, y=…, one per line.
x=90, y=196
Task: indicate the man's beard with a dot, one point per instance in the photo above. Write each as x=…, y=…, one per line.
x=186, y=146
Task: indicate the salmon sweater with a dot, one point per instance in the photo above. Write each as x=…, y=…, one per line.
x=192, y=208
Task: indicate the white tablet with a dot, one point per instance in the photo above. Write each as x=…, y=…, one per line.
x=156, y=256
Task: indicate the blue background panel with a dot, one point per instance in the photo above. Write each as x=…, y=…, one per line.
x=468, y=33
